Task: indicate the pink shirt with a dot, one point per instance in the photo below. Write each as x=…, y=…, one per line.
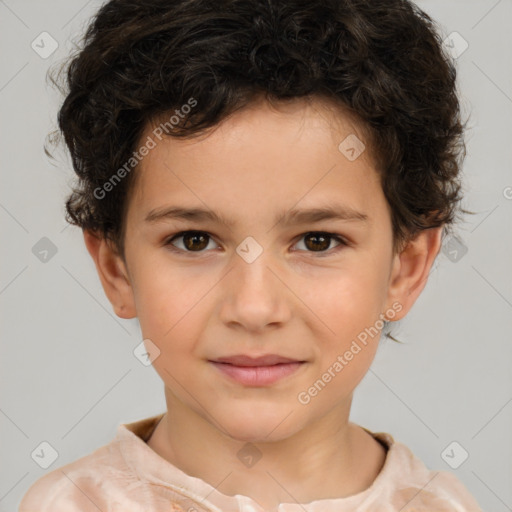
x=126, y=475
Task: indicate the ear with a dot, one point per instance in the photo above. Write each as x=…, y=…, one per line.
x=113, y=274
x=411, y=268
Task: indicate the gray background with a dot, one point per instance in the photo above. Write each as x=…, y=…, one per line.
x=68, y=373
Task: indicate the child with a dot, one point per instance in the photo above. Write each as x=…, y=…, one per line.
x=311, y=150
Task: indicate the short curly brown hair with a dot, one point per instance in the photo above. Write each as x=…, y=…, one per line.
x=381, y=60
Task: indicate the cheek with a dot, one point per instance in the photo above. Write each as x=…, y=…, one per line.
x=350, y=307
x=167, y=298
x=345, y=301
x=347, y=324
x=170, y=311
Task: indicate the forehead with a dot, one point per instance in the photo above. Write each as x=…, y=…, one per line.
x=261, y=158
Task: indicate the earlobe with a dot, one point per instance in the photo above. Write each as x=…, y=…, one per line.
x=411, y=269
x=113, y=274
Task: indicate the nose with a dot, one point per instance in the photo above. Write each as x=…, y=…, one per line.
x=255, y=298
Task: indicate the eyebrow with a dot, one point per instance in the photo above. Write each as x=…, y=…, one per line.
x=287, y=218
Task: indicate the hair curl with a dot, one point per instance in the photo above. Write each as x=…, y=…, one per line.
x=381, y=60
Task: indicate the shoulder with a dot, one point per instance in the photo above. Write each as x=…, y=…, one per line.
x=412, y=487
x=440, y=491
x=82, y=485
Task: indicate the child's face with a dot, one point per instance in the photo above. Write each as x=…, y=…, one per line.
x=296, y=299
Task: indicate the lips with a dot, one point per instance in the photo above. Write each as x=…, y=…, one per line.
x=266, y=360
x=257, y=371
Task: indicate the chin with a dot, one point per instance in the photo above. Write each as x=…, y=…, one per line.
x=259, y=424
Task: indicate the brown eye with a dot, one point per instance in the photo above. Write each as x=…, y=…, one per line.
x=193, y=241
x=317, y=242
x=320, y=241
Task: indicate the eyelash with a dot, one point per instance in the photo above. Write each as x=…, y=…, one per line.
x=328, y=252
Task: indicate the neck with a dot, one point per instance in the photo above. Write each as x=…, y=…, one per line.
x=331, y=458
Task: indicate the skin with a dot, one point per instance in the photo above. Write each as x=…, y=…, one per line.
x=294, y=300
